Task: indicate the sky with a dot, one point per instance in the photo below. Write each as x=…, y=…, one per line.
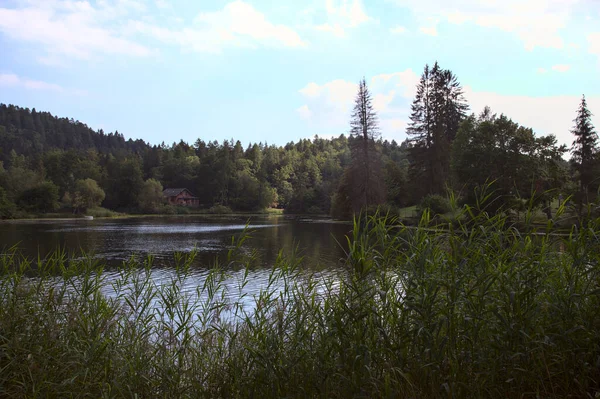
x=279, y=71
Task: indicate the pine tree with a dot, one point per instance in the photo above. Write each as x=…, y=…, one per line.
x=364, y=176
x=584, y=149
x=436, y=113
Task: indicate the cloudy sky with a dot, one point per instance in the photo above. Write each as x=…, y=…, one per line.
x=277, y=71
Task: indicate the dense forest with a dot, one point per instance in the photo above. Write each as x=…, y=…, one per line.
x=48, y=163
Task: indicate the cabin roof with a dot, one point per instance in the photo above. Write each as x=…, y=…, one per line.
x=173, y=192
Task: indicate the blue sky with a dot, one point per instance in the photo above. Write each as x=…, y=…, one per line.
x=276, y=72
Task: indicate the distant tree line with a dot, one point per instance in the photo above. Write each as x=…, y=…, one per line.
x=475, y=156
x=48, y=162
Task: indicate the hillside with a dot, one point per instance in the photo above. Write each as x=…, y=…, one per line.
x=30, y=132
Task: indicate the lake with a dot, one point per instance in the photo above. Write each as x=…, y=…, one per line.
x=319, y=241
x=116, y=240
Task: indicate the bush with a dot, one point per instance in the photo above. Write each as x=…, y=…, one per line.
x=314, y=210
x=42, y=198
x=437, y=204
x=167, y=209
x=182, y=210
x=220, y=209
x=99, y=212
x=87, y=194
x=8, y=209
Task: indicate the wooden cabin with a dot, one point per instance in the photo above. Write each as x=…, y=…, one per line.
x=181, y=197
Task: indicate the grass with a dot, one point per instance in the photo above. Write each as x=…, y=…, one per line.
x=408, y=212
x=99, y=212
x=478, y=309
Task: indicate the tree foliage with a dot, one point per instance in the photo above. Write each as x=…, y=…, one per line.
x=363, y=180
x=151, y=197
x=41, y=155
x=86, y=194
x=42, y=198
x=494, y=149
x=436, y=114
x=585, y=152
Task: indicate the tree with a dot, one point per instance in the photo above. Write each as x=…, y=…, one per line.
x=584, y=150
x=41, y=198
x=87, y=194
x=495, y=149
x=364, y=176
x=123, y=182
x=7, y=207
x=151, y=196
x=436, y=113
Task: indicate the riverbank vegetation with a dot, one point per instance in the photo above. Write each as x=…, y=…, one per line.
x=47, y=163
x=476, y=309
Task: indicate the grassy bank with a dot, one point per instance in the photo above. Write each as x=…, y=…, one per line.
x=478, y=309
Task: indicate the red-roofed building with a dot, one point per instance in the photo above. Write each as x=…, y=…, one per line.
x=181, y=197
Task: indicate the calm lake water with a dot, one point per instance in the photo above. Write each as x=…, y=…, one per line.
x=319, y=241
x=116, y=240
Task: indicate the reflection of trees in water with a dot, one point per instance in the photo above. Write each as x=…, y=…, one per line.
x=117, y=240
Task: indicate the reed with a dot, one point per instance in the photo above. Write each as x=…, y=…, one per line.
x=470, y=307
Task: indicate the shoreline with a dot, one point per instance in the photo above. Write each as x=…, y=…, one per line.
x=63, y=218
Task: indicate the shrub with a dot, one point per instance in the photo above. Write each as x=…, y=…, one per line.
x=42, y=198
x=168, y=209
x=437, y=204
x=8, y=209
x=314, y=210
x=220, y=209
x=99, y=212
x=182, y=210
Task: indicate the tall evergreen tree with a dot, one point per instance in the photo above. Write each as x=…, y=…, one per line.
x=365, y=172
x=584, y=149
x=436, y=113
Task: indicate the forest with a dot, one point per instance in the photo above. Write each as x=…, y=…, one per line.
x=50, y=164
x=481, y=306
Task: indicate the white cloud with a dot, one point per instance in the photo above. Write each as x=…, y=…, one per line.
x=238, y=24
x=163, y=4
x=69, y=28
x=429, y=30
x=13, y=80
x=9, y=79
x=336, y=29
x=382, y=101
x=398, y=30
x=339, y=16
x=537, y=23
x=304, y=112
x=393, y=128
x=406, y=81
x=329, y=105
x=82, y=30
x=239, y=19
x=311, y=90
x=594, y=43
x=349, y=12
x=561, y=68
x=545, y=115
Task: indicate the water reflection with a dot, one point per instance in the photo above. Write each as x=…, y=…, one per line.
x=118, y=239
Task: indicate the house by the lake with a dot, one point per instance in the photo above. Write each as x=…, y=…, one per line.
x=181, y=197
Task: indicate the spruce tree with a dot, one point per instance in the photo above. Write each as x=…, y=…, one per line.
x=436, y=113
x=364, y=178
x=584, y=150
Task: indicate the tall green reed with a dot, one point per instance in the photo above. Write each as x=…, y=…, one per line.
x=468, y=307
